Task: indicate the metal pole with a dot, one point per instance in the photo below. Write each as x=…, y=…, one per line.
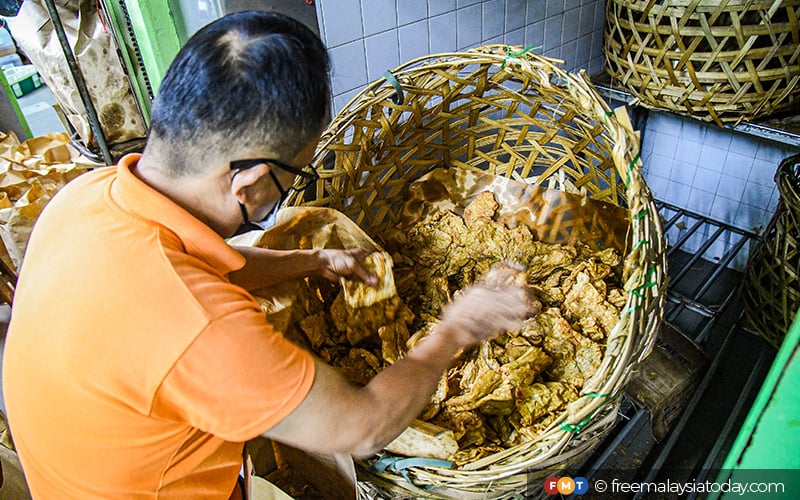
x=80, y=82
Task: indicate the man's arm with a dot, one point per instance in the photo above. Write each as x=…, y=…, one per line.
x=266, y=267
x=337, y=416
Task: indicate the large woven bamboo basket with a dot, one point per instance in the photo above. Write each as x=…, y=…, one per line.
x=507, y=112
x=771, y=288
x=721, y=61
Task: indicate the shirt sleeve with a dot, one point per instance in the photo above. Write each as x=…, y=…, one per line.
x=239, y=378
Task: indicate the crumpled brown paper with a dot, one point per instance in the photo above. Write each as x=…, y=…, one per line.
x=553, y=216
x=30, y=174
x=300, y=228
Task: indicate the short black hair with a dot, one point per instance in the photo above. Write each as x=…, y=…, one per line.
x=251, y=77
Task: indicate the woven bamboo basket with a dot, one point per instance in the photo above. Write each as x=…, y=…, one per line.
x=771, y=288
x=506, y=112
x=721, y=61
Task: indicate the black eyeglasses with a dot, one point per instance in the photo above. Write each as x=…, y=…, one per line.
x=305, y=177
x=308, y=174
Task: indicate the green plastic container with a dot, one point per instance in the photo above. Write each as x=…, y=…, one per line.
x=765, y=453
x=23, y=79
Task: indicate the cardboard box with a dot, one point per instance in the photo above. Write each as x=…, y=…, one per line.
x=273, y=466
x=667, y=378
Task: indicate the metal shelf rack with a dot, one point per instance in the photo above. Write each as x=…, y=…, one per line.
x=702, y=301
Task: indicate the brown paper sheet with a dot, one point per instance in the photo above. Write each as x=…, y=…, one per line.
x=301, y=228
x=333, y=476
x=96, y=53
x=30, y=174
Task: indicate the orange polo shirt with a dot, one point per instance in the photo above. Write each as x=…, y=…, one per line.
x=133, y=368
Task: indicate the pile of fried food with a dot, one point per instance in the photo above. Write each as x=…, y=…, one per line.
x=504, y=391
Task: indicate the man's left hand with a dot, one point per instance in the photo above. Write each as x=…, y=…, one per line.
x=335, y=264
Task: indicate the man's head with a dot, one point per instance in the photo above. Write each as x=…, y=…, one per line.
x=248, y=84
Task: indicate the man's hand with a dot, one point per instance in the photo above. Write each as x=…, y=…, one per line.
x=482, y=311
x=335, y=264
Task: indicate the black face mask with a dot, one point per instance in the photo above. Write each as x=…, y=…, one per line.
x=308, y=176
x=269, y=220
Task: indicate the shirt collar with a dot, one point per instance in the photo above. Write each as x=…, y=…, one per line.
x=197, y=238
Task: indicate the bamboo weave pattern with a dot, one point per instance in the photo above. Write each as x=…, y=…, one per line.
x=716, y=60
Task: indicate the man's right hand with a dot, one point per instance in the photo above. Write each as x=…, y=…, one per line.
x=481, y=312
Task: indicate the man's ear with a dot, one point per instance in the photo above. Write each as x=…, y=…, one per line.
x=243, y=179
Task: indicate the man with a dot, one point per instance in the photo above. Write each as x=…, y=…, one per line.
x=137, y=363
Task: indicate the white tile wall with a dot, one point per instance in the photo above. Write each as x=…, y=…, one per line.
x=715, y=172
x=367, y=37
x=342, y=21
x=436, y=7
x=352, y=55
x=410, y=11
x=468, y=22
x=515, y=11
x=413, y=40
x=381, y=48
x=493, y=21
x=443, y=32
x=378, y=16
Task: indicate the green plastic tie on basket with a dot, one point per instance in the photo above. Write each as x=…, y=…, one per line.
x=569, y=86
x=596, y=395
x=577, y=427
x=399, y=96
x=647, y=284
x=405, y=463
x=382, y=464
x=630, y=168
x=514, y=55
x=630, y=309
x=642, y=214
x=639, y=243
